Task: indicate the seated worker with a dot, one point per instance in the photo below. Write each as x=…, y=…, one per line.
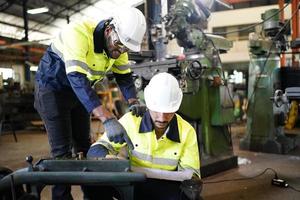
x=165, y=146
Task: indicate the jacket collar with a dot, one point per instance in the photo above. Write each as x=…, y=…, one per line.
x=148, y=126
x=98, y=36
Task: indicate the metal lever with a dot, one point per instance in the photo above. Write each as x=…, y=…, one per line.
x=29, y=160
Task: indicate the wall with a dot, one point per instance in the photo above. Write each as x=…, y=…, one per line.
x=239, y=52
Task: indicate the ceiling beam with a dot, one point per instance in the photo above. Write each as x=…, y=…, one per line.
x=62, y=5
x=50, y=20
x=21, y=27
x=49, y=13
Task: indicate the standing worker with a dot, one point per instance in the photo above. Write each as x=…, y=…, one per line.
x=81, y=55
x=165, y=147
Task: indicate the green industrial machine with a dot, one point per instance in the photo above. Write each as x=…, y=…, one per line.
x=207, y=102
x=265, y=117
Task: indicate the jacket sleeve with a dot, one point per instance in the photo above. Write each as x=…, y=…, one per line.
x=189, y=158
x=83, y=90
x=126, y=85
x=114, y=148
x=97, y=151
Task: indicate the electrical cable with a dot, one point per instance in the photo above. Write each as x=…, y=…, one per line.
x=292, y=188
x=253, y=25
x=256, y=176
x=242, y=179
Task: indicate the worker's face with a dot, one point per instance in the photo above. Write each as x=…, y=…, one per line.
x=161, y=120
x=113, y=44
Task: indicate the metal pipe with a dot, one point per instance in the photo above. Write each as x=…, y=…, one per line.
x=295, y=29
x=224, y=4
x=281, y=14
x=73, y=178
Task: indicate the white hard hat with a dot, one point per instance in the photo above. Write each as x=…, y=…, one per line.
x=130, y=25
x=163, y=93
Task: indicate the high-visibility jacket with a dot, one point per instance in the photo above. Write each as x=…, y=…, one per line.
x=77, y=58
x=177, y=149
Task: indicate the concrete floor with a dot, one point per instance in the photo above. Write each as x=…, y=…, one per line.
x=287, y=166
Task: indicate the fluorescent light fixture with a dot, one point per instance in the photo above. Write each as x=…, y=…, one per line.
x=38, y=10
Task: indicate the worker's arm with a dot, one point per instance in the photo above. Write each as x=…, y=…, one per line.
x=87, y=96
x=124, y=79
x=83, y=90
x=165, y=174
x=105, y=146
x=91, y=101
x=74, y=45
x=122, y=73
x=97, y=151
x=189, y=158
x=126, y=85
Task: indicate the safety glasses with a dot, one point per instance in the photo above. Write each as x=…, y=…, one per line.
x=117, y=43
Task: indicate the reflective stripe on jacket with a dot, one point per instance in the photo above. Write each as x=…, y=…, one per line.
x=177, y=149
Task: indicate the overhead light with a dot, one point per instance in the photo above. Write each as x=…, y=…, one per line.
x=38, y=10
x=33, y=68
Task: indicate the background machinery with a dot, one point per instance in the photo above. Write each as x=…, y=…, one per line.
x=266, y=118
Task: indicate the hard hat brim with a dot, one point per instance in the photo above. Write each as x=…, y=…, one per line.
x=132, y=47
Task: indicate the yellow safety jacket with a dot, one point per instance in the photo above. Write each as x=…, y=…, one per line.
x=177, y=149
x=82, y=50
x=76, y=59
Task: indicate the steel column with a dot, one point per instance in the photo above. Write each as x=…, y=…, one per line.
x=26, y=53
x=295, y=29
x=281, y=17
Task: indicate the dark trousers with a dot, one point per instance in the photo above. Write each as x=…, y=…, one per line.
x=152, y=189
x=158, y=190
x=68, y=127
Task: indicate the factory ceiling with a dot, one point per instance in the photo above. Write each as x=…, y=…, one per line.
x=14, y=40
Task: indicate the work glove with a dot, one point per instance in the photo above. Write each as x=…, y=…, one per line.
x=192, y=188
x=137, y=109
x=116, y=132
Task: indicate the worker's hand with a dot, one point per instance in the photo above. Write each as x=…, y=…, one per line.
x=116, y=132
x=102, y=113
x=137, y=109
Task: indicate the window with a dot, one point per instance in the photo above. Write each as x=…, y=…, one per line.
x=6, y=73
